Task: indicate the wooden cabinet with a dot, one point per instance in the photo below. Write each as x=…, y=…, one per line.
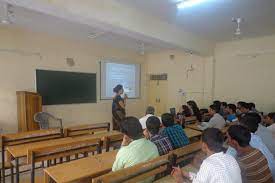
x=28, y=104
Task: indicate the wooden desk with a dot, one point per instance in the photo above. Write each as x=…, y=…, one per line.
x=192, y=133
x=80, y=169
x=170, y=179
x=19, y=151
x=193, y=126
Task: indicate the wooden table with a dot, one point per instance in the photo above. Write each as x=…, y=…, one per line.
x=170, y=179
x=196, y=127
x=193, y=126
x=92, y=166
x=19, y=151
x=192, y=133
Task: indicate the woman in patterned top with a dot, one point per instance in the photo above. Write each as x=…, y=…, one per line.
x=118, y=107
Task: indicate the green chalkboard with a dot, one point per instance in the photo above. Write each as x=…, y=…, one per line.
x=59, y=87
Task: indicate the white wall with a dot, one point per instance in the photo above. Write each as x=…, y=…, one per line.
x=248, y=78
x=197, y=85
x=17, y=72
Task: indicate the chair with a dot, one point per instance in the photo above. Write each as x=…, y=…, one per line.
x=44, y=119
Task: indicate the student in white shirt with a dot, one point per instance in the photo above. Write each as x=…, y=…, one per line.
x=217, y=121
x=217, y=167
x=150, y=111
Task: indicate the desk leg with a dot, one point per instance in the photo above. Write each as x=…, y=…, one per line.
x=9, y=159
x=17, y=169
x=47, y=178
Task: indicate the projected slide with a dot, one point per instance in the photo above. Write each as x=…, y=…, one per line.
x=116, y=73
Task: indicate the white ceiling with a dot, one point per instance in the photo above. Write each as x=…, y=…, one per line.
x=213, y=18
x=37, y=21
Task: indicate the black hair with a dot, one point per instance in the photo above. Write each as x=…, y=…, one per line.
x=214, y=107
x=117, y=88
x=244, y=105
x=195, y=109
x=214, y=139
x=239, y=133
x=232, y=107
x=251, y=105
x=167, y=119
x=186, y=111
x=251, y=121
x=153, y=125
x=271, y=115
x=132, y=128
x=224, y=104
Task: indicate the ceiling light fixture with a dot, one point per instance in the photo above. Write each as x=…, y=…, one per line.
x=188, y=3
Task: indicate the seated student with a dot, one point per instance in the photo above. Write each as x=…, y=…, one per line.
x=253, y=163
x=218, y=104
x=231, y=110
x=173, y=131
x=152, y=132
x=243, y=107
x=195, y=111
x=251, y=122
x=185, y=111
x=218, y=167
x=270, y=121
x=223, y=111
x=216, y=121
x=134, y=148
x=150, y=111
x=252, y=107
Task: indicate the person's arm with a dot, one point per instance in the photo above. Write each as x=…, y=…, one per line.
x=122, y=101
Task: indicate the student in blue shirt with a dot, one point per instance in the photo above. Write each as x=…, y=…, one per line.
x=173, y=131
x=231, y=117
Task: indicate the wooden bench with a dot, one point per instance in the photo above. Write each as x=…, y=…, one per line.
x=8, y=140
x=138, y=172
x=186, y=152
x=80, y=169
x=86, y=129
x=110, y=141
x=61, y=151
x=190, y=120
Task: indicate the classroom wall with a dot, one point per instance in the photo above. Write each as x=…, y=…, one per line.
x=245, y=71
x=197, y=84
x=19, y=58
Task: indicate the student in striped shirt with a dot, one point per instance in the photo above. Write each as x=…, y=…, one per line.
x=252, y=162
x=152, y=132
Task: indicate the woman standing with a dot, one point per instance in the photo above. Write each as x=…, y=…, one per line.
x=118, y=107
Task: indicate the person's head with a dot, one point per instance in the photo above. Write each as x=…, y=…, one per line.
x=231, y=108
x=153, y=125
x=218, y=104
x=186, y=110
x=213, y=109
x=223, y=105
x=150, y=110
x=270, y=118
x=238, y=136
x=132, y=128
x=192, y=104
x=167, y=119
x=212, y=140
x=243, y=107
x=251, y=121
x=252, y=106
x=118, y=89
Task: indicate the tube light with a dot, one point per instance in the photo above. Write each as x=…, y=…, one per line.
x=189, y=3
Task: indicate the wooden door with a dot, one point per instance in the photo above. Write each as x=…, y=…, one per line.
x=33, y=106
x=157, y=96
